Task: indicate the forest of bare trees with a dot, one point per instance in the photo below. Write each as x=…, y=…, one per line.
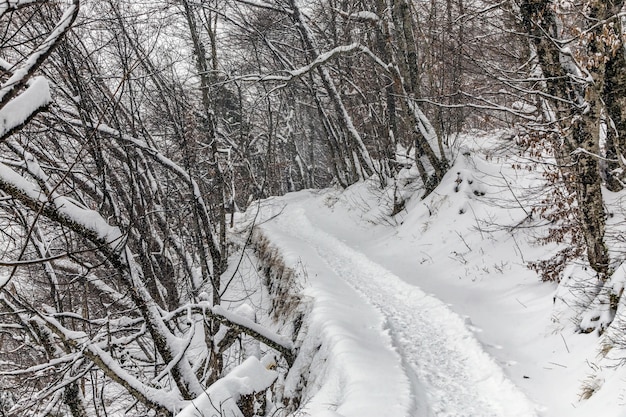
x=130, y=132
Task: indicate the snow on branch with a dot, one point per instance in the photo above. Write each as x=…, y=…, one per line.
x=579, y=151
x=51, y=364
x=423, y=124
x=163, y=161
x=221, y=398
x=5, y=65
x=19, y=111
x=247, y=326
x=362, y=16
x=281, y=344
x=150, y=396
x=12, y=5
x=87, y=222
x=297, y=73
x=517, y=109
x=264, y=5
x=21, y=75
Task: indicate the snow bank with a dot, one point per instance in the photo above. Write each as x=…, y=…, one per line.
x=222, y=397
x=350, y=367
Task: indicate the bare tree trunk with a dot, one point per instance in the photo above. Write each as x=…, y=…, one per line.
x=577, y=101
x=613, y=92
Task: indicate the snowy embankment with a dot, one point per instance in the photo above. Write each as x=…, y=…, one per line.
x=433, y=312
x=391, y=348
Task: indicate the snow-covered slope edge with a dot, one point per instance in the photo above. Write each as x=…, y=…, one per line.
x=289, y=309
x=385, y=347
x=344, y=347
x=469, y=244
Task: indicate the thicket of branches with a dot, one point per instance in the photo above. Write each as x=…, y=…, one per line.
x=578, y=55
x=130, y=132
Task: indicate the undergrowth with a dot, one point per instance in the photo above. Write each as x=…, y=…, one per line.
x=288, y=307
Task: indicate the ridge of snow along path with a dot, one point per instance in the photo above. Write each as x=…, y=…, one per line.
x=391, y=349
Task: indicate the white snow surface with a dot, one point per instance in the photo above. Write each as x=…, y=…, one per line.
x=435, y=312
x=400, y=351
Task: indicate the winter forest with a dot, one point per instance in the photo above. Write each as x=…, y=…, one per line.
x=312, y=208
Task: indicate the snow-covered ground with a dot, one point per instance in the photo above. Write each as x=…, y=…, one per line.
x=434, y=312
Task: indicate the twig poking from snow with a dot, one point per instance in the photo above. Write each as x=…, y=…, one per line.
x=557, y=364
x=564, y=342
x=464, y=242
x=514, y=196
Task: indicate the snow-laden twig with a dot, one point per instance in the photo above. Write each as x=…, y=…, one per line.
x=19, y=111
x=360, y=16
x=61, y=208
x=264, y=5
x=318, y=61
x=170, y=166
x=10, y=88
x=281, y=344
x=12, y=5
x=153, y=397
x=579, y=151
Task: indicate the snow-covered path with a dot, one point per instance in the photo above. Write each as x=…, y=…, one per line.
x=392, y=350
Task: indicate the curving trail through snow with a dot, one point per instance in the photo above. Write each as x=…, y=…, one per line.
x=391, y=349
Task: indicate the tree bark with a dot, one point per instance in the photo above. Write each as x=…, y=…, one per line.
x=613, y=89
x=576, y=100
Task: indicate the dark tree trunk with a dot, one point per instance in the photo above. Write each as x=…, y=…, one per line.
x=577, y=101
x=613, y=95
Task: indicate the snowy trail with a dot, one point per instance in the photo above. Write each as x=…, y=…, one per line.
x=422, y=356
